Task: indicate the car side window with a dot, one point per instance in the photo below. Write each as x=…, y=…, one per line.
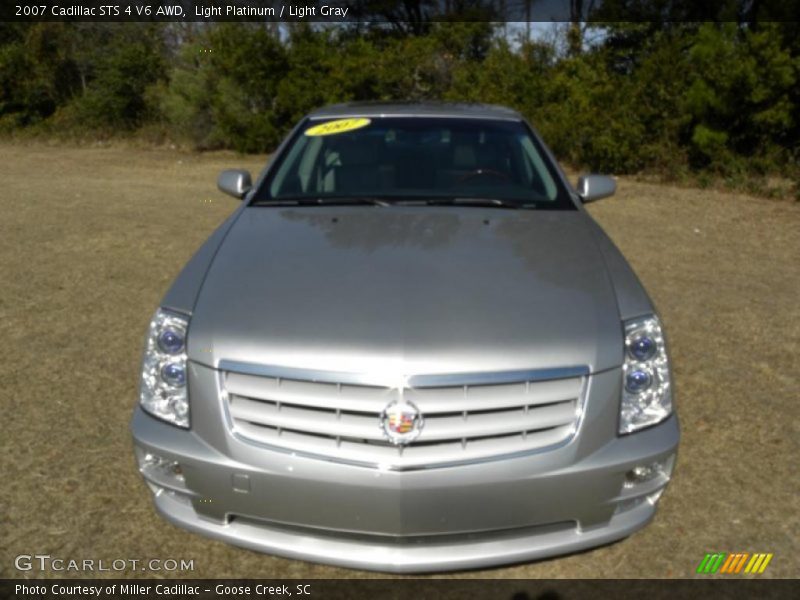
x=286, y=180
x=540, y=181
x=308, y=161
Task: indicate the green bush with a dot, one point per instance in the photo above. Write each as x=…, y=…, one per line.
x=116, y=97
x=221, y=93
x=739, y=96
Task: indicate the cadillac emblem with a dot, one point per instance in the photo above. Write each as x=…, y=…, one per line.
x=401, y=422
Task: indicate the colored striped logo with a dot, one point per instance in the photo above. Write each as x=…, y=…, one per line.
x=737, y=562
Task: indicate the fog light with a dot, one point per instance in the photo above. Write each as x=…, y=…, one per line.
x=648, y=472
x=642, y=474
x=160, y=470
x=167, y=468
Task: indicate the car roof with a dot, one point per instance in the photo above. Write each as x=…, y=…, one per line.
x=416, y=109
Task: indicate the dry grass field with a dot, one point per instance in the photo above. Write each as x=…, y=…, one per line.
x=90, y=238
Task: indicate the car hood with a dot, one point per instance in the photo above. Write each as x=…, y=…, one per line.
x=408, y=290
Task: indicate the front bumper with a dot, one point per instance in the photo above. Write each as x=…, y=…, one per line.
x=463, y=517
x=413, y=555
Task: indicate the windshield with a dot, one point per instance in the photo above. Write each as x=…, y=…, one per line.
x=415, y=158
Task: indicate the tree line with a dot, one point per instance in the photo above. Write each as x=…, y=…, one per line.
x=671, y=98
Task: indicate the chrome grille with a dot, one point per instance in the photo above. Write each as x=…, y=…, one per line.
x=322, y=417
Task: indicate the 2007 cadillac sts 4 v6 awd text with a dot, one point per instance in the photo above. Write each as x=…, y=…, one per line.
x=410, y=349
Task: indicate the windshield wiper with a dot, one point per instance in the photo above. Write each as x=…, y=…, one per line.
x=324, y=201
x=477, y=202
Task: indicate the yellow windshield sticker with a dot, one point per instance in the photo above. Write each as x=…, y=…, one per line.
x=338, y=126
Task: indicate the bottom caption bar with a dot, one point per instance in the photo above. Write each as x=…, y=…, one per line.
x=400, y=588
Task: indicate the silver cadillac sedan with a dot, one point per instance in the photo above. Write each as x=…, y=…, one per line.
x=410, y=349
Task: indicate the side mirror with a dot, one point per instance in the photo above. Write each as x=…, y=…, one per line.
x=594, y=187
x=234, y=182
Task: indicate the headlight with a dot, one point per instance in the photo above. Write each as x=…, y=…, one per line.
x=163, y=388
x=646, y=386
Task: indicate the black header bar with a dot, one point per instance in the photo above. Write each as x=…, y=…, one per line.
x=355, y=11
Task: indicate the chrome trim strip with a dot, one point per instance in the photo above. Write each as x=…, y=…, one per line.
x=312, y=375
x=412, y=381
x=495, y=377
